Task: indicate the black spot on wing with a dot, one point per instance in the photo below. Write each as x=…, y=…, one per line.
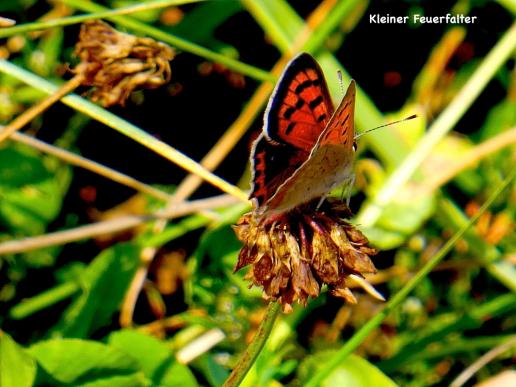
x=288, y=112
x=315, y=102
x=321, y=118
x=302, y=86
x=299, y=103
x=290, y=127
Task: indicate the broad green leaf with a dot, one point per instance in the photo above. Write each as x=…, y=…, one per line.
x=383, y=239
x=17, y=367
x=105, y=282
x=354, y=372
x=158, y=363
x=76, y=362
x=499, y=118
x=31, y=193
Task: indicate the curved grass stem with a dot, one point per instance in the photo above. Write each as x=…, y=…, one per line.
x=115, y=122
x=444, y=123
x=90, y=165
x=249, y=356
x=175, y=41
x=66, y=21
x=28, y=115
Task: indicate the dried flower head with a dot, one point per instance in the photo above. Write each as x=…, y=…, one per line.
x=116, y=63
x=293, y=254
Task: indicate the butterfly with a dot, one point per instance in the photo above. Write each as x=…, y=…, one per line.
x=306, y=147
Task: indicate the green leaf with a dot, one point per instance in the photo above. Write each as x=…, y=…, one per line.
x=30, y=194
x=214, y=372
x=87, y=363
x=400, y=219
x=354, y=372
x=105, y=283
x=158, y=364
x=17, y=368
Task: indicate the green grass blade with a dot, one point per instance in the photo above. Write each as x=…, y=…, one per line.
x=65, y=21
x=175, y=41
x=126, y=128
x=283, y=25
x=398, y=298
x=444, y=123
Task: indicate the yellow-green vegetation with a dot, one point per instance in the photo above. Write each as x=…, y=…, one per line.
x=124, y=165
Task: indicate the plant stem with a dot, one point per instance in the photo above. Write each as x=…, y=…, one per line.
x=109, y=226
x=113, y=121
x=175, y=41
x=469, y=159
x=65, y=21
x=444, y=123
x=31, y=113
x=90, y=165
x=250, y=354
x=399, y=297
x=482, y=361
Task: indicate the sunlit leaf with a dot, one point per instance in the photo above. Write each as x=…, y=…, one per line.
x=17, y=367
x=158, y=364
x=76, y=362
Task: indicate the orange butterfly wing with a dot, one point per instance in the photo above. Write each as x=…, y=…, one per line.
x=330, y=163
x=306, y=148
x=296, y=115
x=300, y=106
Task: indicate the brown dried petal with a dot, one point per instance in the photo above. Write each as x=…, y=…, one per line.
x=303, y=281
x=245, y=257
x=263, y=269
x=278, y=282
x=324, y=258
x=355, y=235
x=345, y=293
x=360, y=262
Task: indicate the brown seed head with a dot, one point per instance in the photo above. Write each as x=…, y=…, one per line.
x=292, y=256
x=116, y=63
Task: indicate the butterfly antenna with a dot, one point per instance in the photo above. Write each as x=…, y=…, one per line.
x=389, y=124
x=341, y=82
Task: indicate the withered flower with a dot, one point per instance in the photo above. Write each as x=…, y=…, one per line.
x=293, y=254
x=116, y=63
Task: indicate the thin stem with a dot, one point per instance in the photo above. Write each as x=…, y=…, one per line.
x=65, y=21
x=41, y=301
x=444, y=123
x=31, y=113
x=110, y=226
x=90, y=165
x=399, y=297
x=250, y=354
x=113, y=121
x=482, y=361
x=488, y=147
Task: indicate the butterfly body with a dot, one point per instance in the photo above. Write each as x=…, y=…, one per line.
x=306, y=148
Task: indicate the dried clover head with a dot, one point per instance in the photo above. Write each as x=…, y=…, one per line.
x=293, y=254
x=116, y=63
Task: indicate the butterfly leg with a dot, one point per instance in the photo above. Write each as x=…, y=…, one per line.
x=323, y=198
x=348, y=188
